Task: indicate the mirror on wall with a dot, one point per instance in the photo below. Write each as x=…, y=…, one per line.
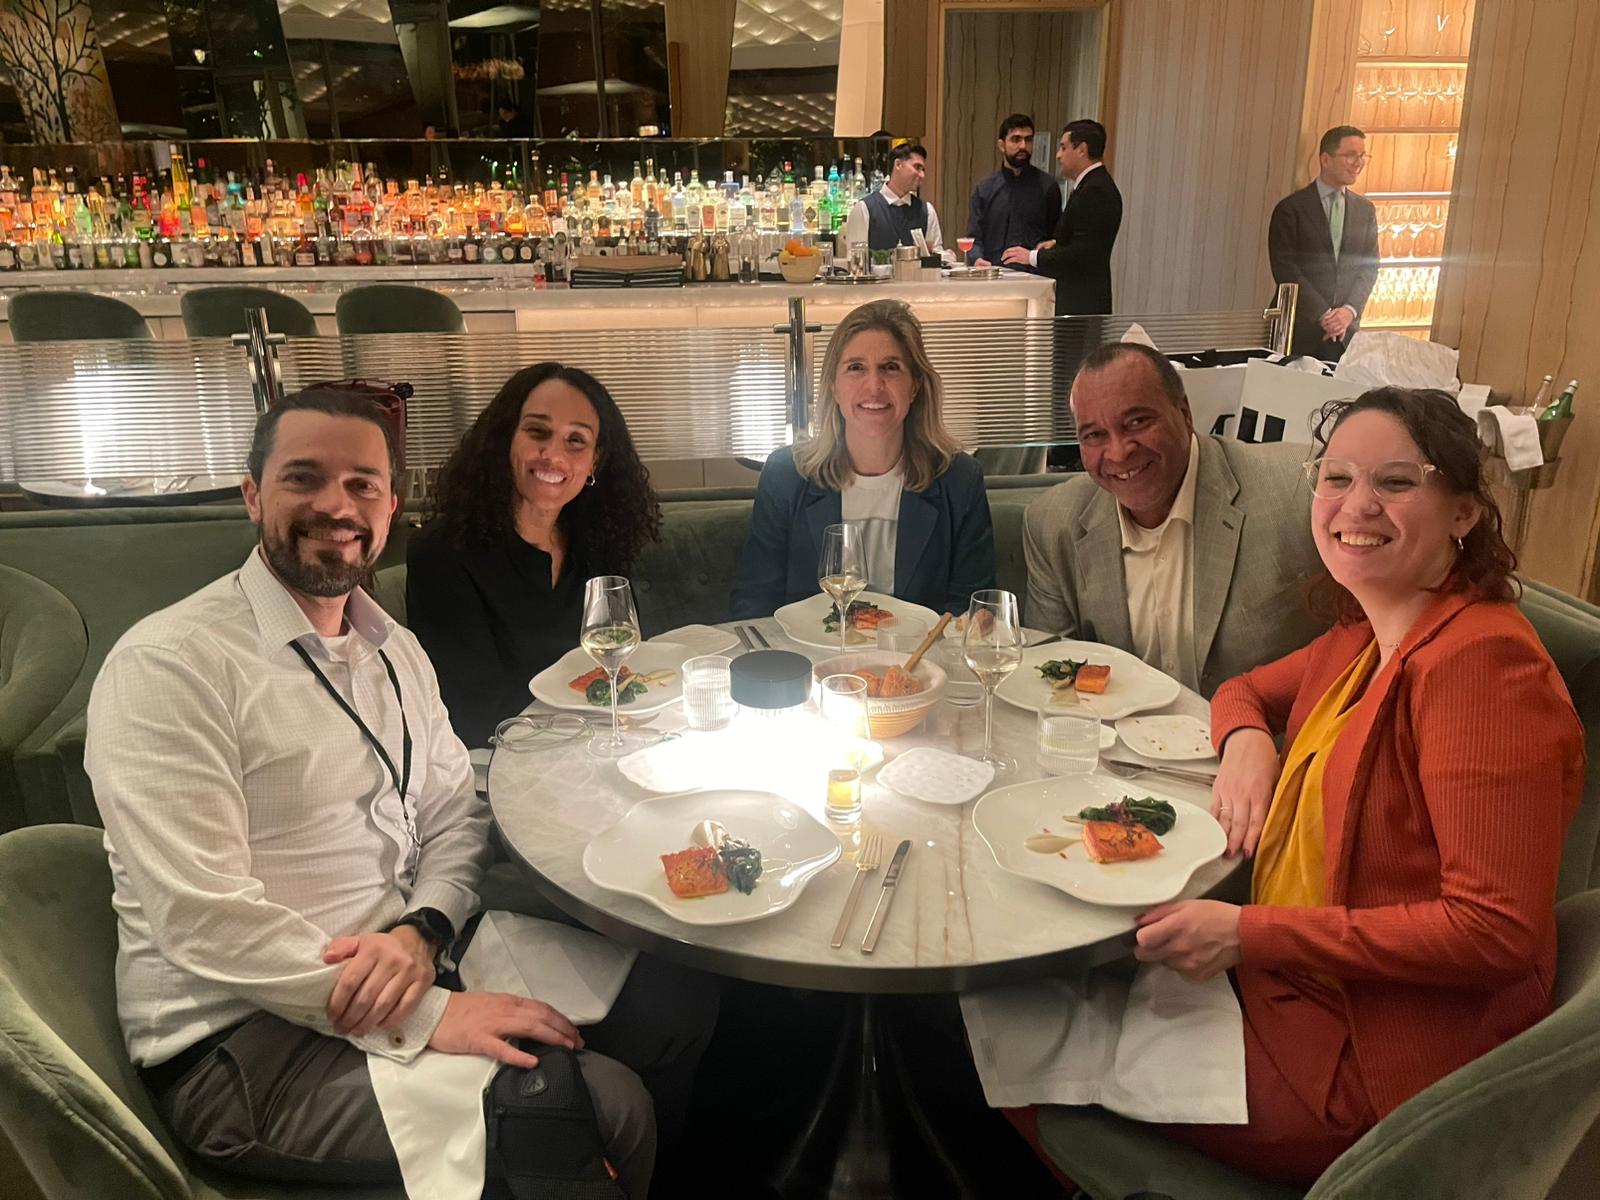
x=108, y=70
x=783, y=77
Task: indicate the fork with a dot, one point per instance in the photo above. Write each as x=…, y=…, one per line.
x=760, y=637
x=866, y=863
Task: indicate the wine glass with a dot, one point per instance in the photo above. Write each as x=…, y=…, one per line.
x=992, y=646
x=842, y=571
x=610, y=635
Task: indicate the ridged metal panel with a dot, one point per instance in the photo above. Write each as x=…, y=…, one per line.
x=86, y=410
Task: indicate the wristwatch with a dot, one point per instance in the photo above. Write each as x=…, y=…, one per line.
x=432, y=924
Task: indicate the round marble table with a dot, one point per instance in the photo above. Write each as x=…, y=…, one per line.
x=957, y=922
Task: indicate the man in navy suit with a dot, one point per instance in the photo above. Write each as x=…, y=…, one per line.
x=1324, y=237
x=1079, y=256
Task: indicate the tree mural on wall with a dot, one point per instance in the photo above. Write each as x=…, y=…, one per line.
x=59, y=70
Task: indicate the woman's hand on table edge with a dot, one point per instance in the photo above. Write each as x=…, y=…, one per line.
x=1242, y=793
x=1196, y=938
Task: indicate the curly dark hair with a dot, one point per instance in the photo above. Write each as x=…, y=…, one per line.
x=1485, y=568
x=607, y=524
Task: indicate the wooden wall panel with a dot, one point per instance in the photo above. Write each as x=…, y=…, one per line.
x=1520, y=287
x=699, y=51
x=1330, y=79
x=1208, y=97
x=1046, y=64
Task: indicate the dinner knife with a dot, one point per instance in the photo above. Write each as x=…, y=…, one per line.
x=760, y=637
x=891, y=878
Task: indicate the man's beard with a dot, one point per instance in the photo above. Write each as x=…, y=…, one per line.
x=1020, y=159
x=330, y=574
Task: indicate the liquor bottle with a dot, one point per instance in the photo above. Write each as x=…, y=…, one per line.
x=1562, y=408
x=1541, y=399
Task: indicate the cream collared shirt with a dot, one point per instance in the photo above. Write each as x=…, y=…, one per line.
x=1158, y=565
x=248, y=822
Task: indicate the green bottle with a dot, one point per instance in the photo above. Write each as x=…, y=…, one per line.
x=1562, y=408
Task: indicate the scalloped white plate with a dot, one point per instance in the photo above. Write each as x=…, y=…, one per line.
x=794, y=847
x=1174, y=737
x=1008, y=815
x=1134, y=686
x=551, y=684
x=937, y=776
x=803, y=619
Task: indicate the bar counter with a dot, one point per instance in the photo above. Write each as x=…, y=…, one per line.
x=502, y=298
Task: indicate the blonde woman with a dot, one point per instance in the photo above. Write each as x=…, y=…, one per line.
x=880, y=456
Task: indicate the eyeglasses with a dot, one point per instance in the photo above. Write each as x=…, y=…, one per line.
x=1356, y=157
x=1392, y=482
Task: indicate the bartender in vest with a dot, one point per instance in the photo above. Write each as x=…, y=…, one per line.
x=886, y=218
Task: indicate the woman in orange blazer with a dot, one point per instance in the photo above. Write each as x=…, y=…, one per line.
x=1410, y=836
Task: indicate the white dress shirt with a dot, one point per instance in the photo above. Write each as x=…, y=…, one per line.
x=1158, y=565
x=249, y=822
x=855, y=225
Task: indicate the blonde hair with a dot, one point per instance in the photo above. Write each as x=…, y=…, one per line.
x=929, y=446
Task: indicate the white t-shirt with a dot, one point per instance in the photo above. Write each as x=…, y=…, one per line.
x=873, y=501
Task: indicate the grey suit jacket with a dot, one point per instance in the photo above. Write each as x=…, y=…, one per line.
x=1253, y=558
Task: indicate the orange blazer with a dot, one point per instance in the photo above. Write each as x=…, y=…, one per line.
x=1446, y=803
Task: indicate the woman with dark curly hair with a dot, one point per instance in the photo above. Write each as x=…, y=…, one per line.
x=544, y=492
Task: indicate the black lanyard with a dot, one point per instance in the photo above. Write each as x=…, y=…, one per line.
x=402, y=782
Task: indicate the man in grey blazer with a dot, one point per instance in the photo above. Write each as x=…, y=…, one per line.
x=1192, y=552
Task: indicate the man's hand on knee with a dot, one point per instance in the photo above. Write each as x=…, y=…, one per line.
x=385, y=977
x=485, y=1022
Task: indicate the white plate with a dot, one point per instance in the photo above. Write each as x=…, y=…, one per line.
x=1008, y=815
x=1134, y=685
x=551, y=684
x=794, y=847
x=803, y=619
x=1174, y=737
x=937, y=776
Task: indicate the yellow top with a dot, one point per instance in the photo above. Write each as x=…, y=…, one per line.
x=1289, y=856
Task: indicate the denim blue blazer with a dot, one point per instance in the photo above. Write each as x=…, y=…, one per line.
x=943, y=552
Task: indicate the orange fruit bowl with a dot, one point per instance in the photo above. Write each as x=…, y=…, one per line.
x=799, y=268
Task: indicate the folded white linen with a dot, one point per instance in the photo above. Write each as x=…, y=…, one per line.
x=1154, y=1047
x=1377, y=358
x=1514, y=435
x=1137, y=334
x=433, y=1105
x=1472, y=398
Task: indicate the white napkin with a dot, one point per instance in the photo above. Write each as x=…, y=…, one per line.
x=1376, y=358
x=433, y=1105
x=1158, y=1048
x=1516, y=435
x=1472, y=398
x=1137, y=334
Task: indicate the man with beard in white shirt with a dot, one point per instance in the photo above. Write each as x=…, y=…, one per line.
x=296, y=844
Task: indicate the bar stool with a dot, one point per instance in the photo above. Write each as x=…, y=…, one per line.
x=219, y=312
x=397, y=308
x=61, y=316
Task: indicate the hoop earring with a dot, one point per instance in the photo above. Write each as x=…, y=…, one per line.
x=590, y=483
x=1461, y=546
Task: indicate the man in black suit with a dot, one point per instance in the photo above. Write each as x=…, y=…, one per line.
x=1324, y=237
x=1079, y=256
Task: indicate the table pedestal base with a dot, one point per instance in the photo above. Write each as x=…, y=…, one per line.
x=866, y=1116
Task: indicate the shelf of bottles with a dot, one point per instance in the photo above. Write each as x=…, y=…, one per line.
x=1410, y=81
x=190, y=214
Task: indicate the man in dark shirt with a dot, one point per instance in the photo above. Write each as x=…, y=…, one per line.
x=1016, y=206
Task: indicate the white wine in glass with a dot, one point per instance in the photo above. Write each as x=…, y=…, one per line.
x=610, y=635
x=992, y=646
x=842, y=571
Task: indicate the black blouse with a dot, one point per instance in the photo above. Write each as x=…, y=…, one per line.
x=490, y=621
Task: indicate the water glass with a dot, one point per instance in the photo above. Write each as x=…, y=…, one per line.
x=843, y=701
x=1069, y=743
x=707, y=692
x=901, y=634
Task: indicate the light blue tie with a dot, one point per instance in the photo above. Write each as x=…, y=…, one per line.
x=1336, y=221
